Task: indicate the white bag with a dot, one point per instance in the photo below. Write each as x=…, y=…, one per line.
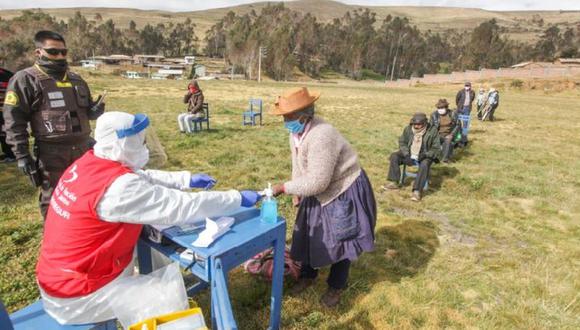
x=140, y=297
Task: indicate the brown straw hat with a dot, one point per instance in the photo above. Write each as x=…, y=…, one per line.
x=442, y=103
x=294, y=100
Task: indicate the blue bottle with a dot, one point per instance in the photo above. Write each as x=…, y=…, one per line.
x=269, y=212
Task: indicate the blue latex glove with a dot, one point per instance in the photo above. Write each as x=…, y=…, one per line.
x=249, y=198
x=202, y=180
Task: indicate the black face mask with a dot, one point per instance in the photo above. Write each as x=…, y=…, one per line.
x=53, y=66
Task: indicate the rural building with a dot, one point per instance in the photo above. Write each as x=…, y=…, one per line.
x=115, y=59
x=144, y=59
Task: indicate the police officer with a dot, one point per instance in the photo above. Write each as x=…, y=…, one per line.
x=8, y=155
x=57, y=105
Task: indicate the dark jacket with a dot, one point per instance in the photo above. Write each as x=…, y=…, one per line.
x=496, y=104
x=460, y=98
x=431, y=147
x=27, y=96
x=5, y=76
x=194, y=102
x=455, y=122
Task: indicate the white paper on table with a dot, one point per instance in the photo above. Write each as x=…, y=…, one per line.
x=213, y=230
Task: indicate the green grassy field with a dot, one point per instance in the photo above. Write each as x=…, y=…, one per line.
x=494, y=244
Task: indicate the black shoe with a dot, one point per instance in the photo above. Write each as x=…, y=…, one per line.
x=331, y=297
x=301, y=285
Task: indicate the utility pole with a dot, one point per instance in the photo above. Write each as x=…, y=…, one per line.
x=263, y=51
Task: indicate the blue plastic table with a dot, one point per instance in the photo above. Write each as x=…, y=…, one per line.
x=247, y=237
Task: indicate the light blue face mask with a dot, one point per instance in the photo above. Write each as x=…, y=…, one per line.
x=294, y=126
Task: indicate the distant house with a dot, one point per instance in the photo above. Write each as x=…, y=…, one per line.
x=158, y=76
x=166, y=66
x=174, y=61
x=568, y=61
x=115, y=59
x=170, y=73
x=200, y=70
x=144, y=59
x=532, y=65
x=90, y=64
x=132, y=75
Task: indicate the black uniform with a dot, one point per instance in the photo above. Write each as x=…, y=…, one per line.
x=58, y=107
x=5, y=76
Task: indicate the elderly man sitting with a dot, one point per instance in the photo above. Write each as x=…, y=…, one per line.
x=445, y=121
x=97, y=212
x=418, y=145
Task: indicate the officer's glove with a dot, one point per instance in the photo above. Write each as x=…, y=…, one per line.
x=202, y=180
x=97, y=109
x=28, y=166
x=250, y=198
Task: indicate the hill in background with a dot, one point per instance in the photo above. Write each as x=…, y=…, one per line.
x=519, y=25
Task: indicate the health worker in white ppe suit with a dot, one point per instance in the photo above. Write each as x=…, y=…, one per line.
x=97, y=212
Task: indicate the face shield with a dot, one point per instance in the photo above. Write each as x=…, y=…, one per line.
x=121, y=137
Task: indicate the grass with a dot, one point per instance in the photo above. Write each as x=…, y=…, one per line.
x=494, y=244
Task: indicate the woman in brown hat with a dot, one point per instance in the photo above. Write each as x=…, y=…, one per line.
x=337, y=209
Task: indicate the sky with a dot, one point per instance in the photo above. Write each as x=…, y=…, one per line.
x=190, y=5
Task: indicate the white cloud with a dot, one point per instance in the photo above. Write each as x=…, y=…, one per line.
x=185, y=5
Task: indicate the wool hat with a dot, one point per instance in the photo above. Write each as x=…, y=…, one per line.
x=419, y=118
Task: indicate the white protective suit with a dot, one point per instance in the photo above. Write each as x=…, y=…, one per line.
x=143, y=197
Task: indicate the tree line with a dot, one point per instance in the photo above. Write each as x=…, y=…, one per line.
x=356, y=45
x=87, y=37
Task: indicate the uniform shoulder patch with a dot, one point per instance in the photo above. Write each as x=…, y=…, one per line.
x=11, y=99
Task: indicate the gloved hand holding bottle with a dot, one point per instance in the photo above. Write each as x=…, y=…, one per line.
x=202, y=180
x=250, y=198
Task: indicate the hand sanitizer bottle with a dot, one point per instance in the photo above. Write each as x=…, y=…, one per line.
x=269, y=211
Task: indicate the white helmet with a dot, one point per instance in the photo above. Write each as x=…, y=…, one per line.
x=120, y=137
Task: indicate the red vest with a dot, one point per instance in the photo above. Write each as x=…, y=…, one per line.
x=81, y=253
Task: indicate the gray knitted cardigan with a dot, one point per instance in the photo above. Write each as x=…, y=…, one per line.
x=325, y=164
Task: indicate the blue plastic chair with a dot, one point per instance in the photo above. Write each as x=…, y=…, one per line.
x=5, y=323
x=405, y=174
x=200, y=121
x=33, y=317
x=254, y=110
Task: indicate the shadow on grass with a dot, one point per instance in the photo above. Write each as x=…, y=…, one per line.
x=461, y=153
x=439, y=174
x=401, y=251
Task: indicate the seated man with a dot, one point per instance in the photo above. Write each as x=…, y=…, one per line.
x=97, y=212
x=194, y=101
x=493, y=101
x=446, y=123
x=418, y=145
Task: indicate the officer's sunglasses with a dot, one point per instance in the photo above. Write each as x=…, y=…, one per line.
x=56, y=51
